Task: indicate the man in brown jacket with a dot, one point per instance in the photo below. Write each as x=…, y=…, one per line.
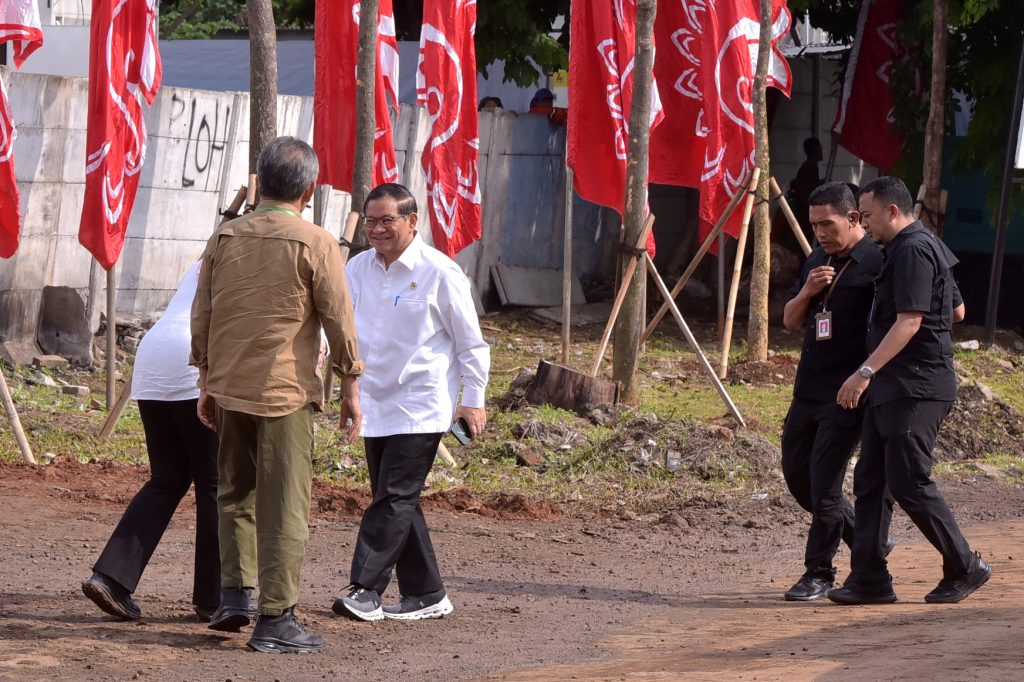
x=269, y=281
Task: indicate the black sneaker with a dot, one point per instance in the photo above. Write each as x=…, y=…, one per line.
x=236, y=610
x=419, y=607
x=283, y=635
x=855, y=594
x=950, y=591
x=110, y=596
x=360, y=604
x=808, y=588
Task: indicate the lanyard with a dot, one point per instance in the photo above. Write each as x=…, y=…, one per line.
x=828, y=294
x=286, y=211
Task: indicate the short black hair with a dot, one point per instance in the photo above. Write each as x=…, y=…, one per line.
x=889, y=190
x=810, y=144
x=286, y=167
x=405, y=201
x=834, y=194
x=490, y=98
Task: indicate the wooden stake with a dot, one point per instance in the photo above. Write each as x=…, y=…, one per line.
x=787, y=211
x=634, y=261
x=250, y=193
x=12, y=416
x=690, y=339
x=235, y=207
x=919, y=202
x=734, y=288
x=115, y=413
x=567, y=267
x=701, y=252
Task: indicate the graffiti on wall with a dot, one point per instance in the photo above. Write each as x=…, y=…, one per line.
x=205, y=141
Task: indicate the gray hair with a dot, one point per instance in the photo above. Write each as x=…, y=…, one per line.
x=286, y=168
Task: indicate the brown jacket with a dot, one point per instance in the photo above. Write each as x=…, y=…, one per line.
x=269, y=280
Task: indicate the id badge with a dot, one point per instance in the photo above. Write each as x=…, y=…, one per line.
x=823, y=326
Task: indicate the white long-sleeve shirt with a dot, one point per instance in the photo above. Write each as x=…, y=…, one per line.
x=420, y=338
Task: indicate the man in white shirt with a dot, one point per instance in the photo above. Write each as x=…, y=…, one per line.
x=420, y=338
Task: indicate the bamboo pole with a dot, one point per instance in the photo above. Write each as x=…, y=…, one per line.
x=111, y=337
x=250, y=193
x=720, y=284
x=919, y=202
x=627, y=277
x=787, y=211
x=690, y=339
x=12, y=416
x=734, y=287
x=702, y=251
x=567, y=267
x=115, y=413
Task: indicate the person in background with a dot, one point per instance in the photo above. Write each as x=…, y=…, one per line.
x=543, y=102
x=911, y=386
x=270, y=282
x=490, y=102
x=182, y=451
x=806, y=181
x=426, y=366
x=830, y=304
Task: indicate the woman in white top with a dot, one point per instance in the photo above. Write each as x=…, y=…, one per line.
x=181, y=451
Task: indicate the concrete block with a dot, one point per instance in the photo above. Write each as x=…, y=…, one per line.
x=40, y=207
x=63, y=326
x=77, y=391
x=19, y=310
x=69, y=264
x=50, y=362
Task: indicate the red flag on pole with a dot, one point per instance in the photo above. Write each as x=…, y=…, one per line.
x=124, y=73
x=601, y=61
x=334, y=115
x=867, y=128
x=446, y=86
x=19, y=24
x=706, y=71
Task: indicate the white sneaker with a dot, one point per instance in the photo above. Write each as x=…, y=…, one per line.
x=419, y=607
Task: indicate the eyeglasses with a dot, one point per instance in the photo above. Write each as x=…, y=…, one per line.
x=386, y=222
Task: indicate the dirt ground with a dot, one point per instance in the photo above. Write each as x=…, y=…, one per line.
x=695, y=595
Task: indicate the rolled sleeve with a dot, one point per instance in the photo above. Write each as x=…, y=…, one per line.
x=334, y=304
x=472, y=354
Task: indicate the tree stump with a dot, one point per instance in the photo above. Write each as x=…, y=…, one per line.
x=571, y=390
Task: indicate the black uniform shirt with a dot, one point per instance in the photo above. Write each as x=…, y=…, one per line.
x=825, y=365
x=916, y=277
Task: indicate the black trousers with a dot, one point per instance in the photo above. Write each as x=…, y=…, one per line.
x=181, y=451
x=393, y=533
x=818, y=439
x=896, y=454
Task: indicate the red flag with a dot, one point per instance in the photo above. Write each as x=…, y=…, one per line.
x=124, y=72
x=729, y=31
x=601, y=62
x=19, y=23
x=867, y=128
x=446, y=86
x=334, y=115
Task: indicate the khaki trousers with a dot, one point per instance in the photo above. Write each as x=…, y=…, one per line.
x=265, y=466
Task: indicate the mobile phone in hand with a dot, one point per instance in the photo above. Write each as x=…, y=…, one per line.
x=460, y=429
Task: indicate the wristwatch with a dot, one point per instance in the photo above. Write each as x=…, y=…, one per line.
x=866, y=372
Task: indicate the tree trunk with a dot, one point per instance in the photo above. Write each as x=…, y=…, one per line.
x=262, y=78
x=934, y=132
x=630, y=323
x=366, y=121
x=757, y=325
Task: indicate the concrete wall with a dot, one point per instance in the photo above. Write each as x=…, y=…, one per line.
x=197, y=158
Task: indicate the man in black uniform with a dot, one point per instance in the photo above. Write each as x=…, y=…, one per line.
x=912, y=388
x=831, y=302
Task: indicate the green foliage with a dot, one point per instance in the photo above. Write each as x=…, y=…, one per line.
x=519, y=32
x=199, y=19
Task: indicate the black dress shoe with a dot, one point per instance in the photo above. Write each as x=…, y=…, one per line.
x=849, y=594
x=110, y=596
x=283, y=634
x=950, y=591
x=809, y=588
x=236, y=609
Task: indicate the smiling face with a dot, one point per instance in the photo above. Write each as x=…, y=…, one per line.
x=387, y=230
x=837, y=233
